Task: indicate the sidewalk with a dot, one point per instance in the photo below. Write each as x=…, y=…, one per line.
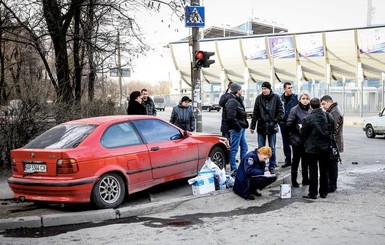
x=157, y=205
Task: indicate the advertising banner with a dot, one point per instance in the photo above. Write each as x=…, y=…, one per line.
x=254, y=48
x=310, y=45
x=371, y=40
x=281, y=47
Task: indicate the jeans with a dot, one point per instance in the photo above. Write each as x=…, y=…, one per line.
x=237, y=140
x=272, y=141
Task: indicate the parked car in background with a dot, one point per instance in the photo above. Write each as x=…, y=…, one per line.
x=103, y=159
x=159, y=102
x=375, y=125
x=211, y=107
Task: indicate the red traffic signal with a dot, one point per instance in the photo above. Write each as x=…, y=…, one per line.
x=202, y=59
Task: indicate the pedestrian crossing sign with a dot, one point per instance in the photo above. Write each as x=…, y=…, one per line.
x=195, y=16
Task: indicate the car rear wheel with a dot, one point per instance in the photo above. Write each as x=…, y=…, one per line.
x=370, y=131
x=109, y=191
x=218, y=156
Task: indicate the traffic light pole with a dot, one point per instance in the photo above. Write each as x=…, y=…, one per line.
x=196, y=85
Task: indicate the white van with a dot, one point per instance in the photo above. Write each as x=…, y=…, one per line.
x=159, y=103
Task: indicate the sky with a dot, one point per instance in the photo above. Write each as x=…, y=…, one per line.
x=295, y=15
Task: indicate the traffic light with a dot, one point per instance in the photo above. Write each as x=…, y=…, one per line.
x=202, y=59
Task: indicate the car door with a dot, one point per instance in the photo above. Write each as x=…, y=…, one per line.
x=128, y=150
x=172, y=155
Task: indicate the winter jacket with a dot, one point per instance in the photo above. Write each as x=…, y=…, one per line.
x=183, y=117
x=150, y=106
x=222, y=102
x=288, y=105
x=268, y=112
x=249, y=166
x=317, y=129
x=339, y=123
x=295, y=118
x=236, y=117
x=135, y=108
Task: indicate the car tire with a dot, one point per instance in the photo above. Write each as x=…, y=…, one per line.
x=370, y=131
x=218, y=156
x=209, y=109
x=218, y=109
x=109, y=191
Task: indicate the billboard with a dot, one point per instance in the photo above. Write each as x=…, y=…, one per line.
x=310, y=45
x=254, y=48
x=371, y=40
x=281, y=47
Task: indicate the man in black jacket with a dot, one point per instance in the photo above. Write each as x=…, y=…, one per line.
x=148, y=103
x=222, y=102
x=236, y=120
x=268, y=112
x=317, y=128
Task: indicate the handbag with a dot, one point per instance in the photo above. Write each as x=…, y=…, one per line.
x=333, y=150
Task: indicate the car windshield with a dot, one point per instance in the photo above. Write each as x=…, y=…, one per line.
x=61, y=137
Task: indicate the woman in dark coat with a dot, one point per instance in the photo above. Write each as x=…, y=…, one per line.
x=293, y=124
x=135, y=106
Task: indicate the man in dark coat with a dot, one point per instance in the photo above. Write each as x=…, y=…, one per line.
x=182, y=115
x=268, y=112
x=236, y=120
x=317, y=129
x=251, y=174
x=148, y=103
x=332, y=107
x=289, y=100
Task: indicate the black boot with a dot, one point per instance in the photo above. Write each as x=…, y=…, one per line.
x=294, y=182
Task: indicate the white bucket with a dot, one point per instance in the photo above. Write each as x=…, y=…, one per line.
x=285, y=191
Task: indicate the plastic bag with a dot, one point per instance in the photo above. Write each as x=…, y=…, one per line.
x=219, y=174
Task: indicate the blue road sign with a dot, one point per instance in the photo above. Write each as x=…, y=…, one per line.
x=195, y=16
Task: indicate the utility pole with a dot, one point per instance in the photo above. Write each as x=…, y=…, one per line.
x=196, y=84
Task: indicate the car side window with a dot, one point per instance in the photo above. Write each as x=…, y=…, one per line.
x=154, y=130
x=120, y=135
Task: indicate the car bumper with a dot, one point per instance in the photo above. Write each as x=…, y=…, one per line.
x=55, y=191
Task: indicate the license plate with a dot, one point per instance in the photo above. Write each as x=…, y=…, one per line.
x=30, y=168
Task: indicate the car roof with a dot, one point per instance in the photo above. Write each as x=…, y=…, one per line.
x=107, y=119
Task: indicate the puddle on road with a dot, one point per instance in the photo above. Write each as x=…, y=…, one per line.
x=175, y=221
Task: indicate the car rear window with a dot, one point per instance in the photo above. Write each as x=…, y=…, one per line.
x=61, y=137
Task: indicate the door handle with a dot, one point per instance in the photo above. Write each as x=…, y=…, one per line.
x=156, y=148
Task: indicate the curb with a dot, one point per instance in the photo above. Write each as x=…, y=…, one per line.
x=50, y=220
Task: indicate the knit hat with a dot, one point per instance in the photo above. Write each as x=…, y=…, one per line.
x=185, y=98
x=266, y=85
x=235, y=88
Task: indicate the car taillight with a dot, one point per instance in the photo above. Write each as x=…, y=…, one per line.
x=67, y=166
x=14, y=167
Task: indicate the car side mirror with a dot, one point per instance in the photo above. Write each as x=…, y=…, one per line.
x=186, y=134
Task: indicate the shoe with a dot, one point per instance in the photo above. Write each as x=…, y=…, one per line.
x=309, y=197
x=286, y=165
x=251, y=197
x=272, y=171
x=323, y=195
x=256, y=193
x=295, y=184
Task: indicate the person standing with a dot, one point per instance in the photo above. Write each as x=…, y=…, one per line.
x=135, y=106
x=317, y=128
x=293, y=125
x=148, y=103
x=332, y=107
x=222, y=102
x=289, y=100
x=236, y=120
x=251, y=174
x=268, y=112
x=182, y=115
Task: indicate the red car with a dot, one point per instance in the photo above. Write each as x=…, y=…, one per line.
x=102, y=159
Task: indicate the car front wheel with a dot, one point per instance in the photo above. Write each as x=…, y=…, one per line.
x=218, y=156
x=109, y=191
x=370, y=131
